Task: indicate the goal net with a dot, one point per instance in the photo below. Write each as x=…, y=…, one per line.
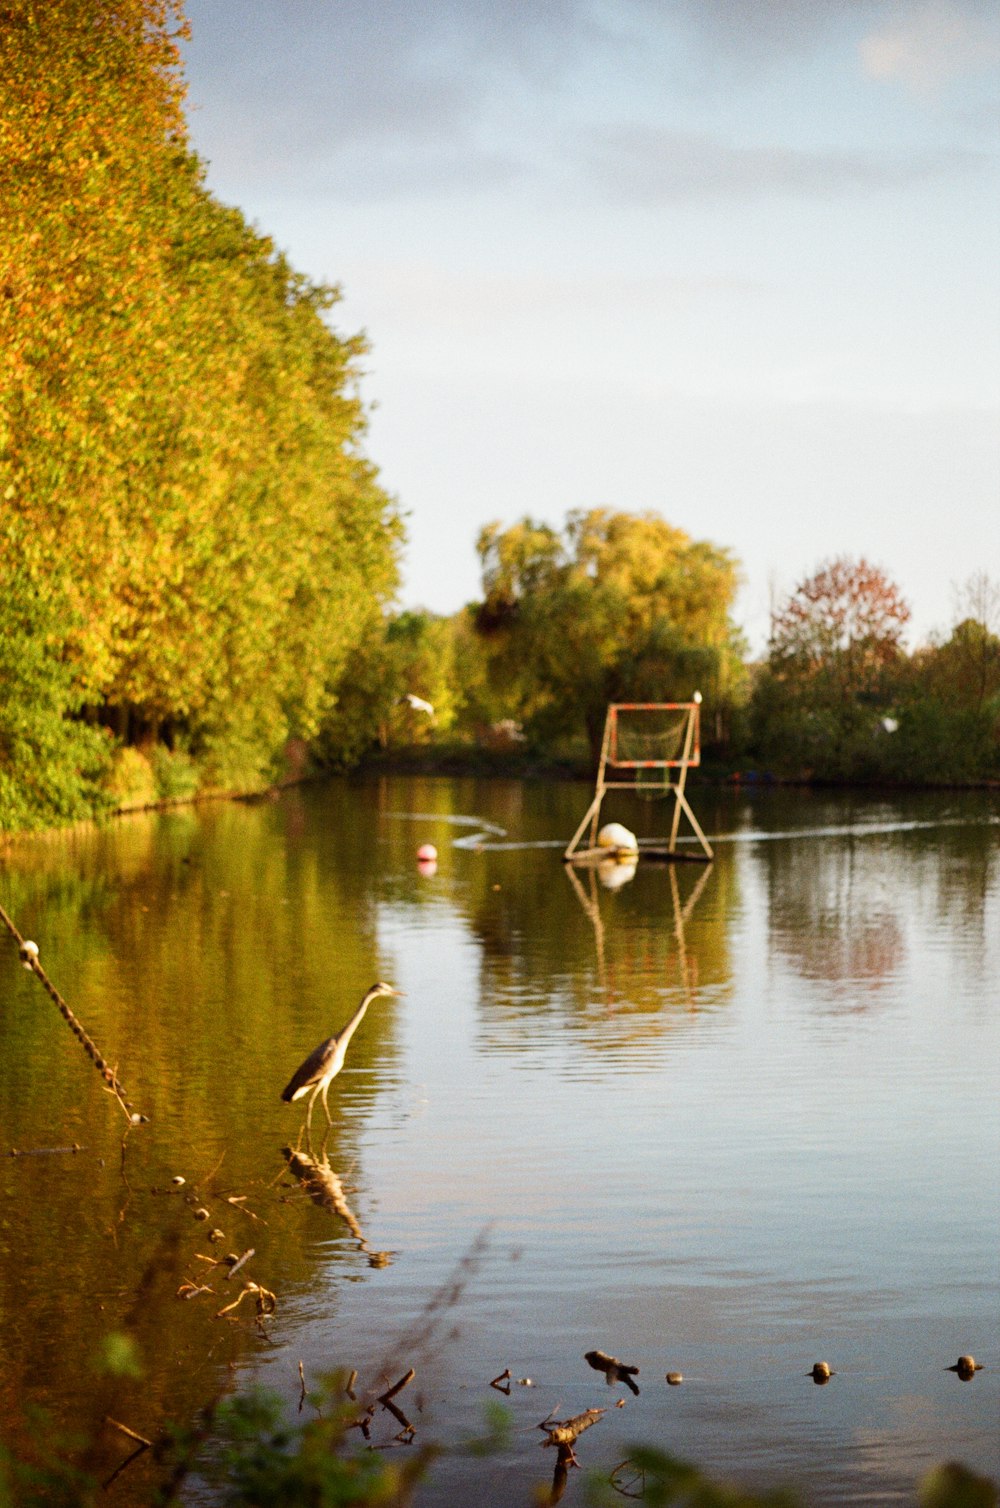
x=653, y=735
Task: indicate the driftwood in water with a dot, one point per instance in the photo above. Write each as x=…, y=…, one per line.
x=566, y=1432
x=613, y=1369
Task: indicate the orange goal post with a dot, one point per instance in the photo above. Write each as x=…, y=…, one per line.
x=641, y=738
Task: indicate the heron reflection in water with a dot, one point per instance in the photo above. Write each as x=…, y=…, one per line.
x=326, y=1189
x=323, y=1064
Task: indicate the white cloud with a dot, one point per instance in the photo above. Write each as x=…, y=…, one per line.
x=650, y=165
x=926, y=46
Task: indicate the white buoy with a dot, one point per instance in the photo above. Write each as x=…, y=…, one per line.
x=615, y=835
x=427, y=852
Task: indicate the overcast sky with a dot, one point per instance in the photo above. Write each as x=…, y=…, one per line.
x=735, y=261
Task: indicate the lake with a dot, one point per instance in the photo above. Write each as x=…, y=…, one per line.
x=727, y=1120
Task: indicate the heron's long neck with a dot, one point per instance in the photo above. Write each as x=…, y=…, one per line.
x=355, y=1021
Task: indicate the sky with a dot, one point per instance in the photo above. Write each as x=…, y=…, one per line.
x=735, y=262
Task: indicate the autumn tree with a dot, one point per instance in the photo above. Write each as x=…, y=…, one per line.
x=835, y=650
x=615, y=606
x=839, y=631
x=186, y=502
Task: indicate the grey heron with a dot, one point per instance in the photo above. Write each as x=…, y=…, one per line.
x=325, y=1061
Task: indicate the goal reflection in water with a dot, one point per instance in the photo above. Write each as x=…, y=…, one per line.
x=680, y=964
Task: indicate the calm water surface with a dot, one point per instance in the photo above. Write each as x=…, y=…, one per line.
x=727, y=1120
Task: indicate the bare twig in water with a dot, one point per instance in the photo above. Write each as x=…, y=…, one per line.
x=266, y=1303
x=134, y=1455
x=629, y=1480
x=44, y=1151
x=397, y=1387
x=235, y=1267
x=502, y=1383
x=115, y=1424
x=564, y=1460
x=189, y=1290
x=237, y=1201
x=386, y=1401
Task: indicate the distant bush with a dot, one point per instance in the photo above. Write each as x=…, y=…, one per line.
x=51, y=764
x=130, y=781
x=175, y=774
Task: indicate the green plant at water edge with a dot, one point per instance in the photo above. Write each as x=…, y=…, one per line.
x=257, y=1459
x=955, y=1486
x=250, y=1456
x=658, y=1480
x=175, y=773
x=43, y=1474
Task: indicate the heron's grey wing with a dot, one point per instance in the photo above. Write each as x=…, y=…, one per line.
x=311, y=1070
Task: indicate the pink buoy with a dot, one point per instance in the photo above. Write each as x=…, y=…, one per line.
x=427, y=853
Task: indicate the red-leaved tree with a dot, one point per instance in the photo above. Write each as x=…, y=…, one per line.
x=839, y=633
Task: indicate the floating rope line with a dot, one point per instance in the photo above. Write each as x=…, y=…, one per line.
x=28, y=952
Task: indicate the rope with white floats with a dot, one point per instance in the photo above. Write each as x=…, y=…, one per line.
x=28, y=953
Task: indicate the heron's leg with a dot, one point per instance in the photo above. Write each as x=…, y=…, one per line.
x=309, y=1112
x=326, y=1089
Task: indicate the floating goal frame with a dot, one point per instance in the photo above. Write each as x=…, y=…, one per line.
x=612, y=764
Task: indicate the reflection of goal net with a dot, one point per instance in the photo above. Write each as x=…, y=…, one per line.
x=653, y=735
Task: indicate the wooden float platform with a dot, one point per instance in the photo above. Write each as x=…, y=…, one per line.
x=656, y=853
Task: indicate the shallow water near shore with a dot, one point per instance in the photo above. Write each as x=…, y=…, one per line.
x=727, y=1120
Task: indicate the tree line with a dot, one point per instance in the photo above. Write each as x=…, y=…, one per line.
x=193, y=540
x=197, y=561
x=623, y=607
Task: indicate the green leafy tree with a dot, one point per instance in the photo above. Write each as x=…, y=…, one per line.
x=617, y=606
x=412, y=656
x=949, y=706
